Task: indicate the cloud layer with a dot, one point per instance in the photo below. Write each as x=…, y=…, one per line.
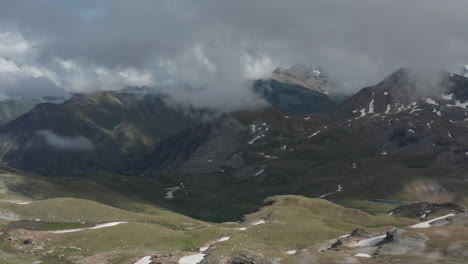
x=215, y=46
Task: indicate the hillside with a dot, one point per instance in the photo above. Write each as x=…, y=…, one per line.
x=106, y=131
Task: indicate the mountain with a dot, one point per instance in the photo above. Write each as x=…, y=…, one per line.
x=305, y=75
x=14, y=107
x=113, y=131
x=390, y=141
x=294, y=98
x=379, y=178
x=99, y=131
x=300, y=89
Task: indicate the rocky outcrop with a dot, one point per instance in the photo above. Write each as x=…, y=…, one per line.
x=397, y=243
x=247, y=259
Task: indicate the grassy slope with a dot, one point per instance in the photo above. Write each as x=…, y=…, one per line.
x=296, y=222
x=292, y=222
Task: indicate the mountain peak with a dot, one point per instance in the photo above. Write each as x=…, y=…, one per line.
x=306, y=75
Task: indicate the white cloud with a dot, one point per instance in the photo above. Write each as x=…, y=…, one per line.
x=12, y=43
x=133, y=77
x=7, y=66
x=78, y=143
x=257, y=68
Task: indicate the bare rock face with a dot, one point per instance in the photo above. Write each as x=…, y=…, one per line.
x=304, y=75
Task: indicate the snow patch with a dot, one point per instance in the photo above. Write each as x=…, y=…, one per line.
x=314, y=134
x=253, y=129
x=363, y=113
x=388, y=109
x=259, y=222
x=108, y=225
x=144, y=260
x=428, y=223
x=203, y=249
x=170, y=193
x=291, y=252
x=192, y=259
x=369, y=242
x=340, y=189
x=17, y=202
x=223, y=239
x=260, y=171
x=371, y=106
x=447, y=96
x=94, y=227
x=255, y=139
x=430, y=101
x=461, y=105
x=362, y=255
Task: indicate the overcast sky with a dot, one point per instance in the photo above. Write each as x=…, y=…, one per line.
x=214, y=46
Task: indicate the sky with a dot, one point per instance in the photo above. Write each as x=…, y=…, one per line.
x=204, y=52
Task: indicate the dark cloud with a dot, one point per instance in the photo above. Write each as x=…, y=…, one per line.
x=214, y=46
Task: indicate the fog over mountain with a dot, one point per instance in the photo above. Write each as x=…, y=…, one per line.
x=204, y=52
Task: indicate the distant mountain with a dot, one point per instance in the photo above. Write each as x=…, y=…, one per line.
x=300, y=89
x=99, y=131
x=305, y=75
x=14, y=107
x=293, y=98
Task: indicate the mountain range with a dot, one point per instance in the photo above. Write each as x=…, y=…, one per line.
x=310, y=162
